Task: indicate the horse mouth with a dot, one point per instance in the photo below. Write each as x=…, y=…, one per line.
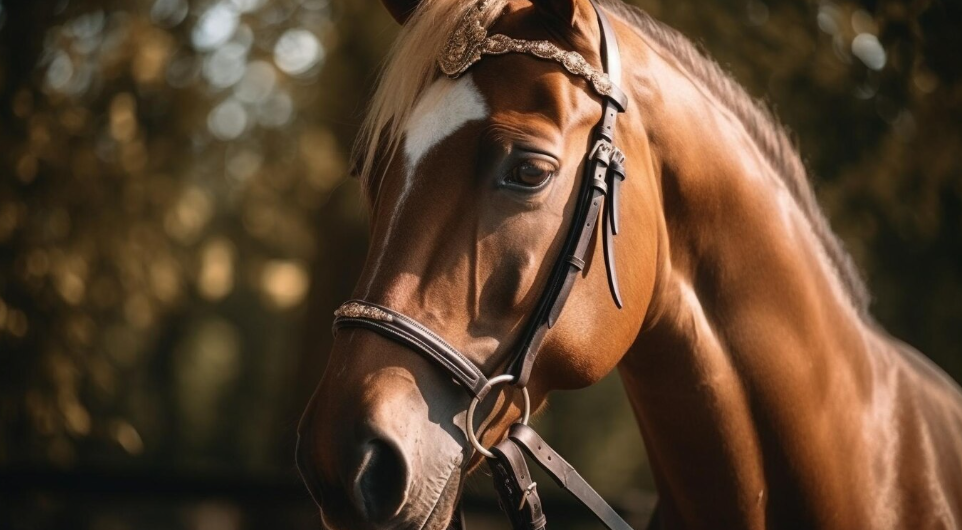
x=442, y=512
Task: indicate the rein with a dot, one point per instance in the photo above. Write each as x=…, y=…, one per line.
x=604, y=172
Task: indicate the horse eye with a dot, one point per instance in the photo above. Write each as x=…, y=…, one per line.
x=531, y=173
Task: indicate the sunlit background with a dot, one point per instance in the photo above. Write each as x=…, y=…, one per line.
x=177, y=224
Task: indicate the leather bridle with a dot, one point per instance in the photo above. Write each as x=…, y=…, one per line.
x=604, y=172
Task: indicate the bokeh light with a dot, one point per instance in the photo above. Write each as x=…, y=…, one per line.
x=866, y=47
x=226, y=65
x=297, y=51
x=215, y=26
x=228, y=120
x=169, y=13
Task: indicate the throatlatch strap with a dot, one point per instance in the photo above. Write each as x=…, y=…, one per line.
x=615, y=175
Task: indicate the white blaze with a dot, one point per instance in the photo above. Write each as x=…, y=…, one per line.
x=444, y=108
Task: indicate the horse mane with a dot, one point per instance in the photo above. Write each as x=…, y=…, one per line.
x=764, y=128
x=411, y=66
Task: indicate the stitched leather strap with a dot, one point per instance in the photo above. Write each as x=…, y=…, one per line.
x=598, y=164
x=565, y=475
x=411, y=333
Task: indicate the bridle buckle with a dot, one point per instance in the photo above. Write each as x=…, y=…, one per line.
x=527, y=493
x=603, y=151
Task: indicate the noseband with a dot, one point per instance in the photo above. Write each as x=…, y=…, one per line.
x=604, y=172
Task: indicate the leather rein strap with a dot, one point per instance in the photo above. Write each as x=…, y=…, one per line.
x=565, y=475
x=604, y=172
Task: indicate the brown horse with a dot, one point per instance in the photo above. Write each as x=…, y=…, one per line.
x=766, y=395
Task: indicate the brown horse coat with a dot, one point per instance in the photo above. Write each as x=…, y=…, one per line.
x=765, y=394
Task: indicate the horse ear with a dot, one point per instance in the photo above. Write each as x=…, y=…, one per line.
x=565, y=11
x=401, y=9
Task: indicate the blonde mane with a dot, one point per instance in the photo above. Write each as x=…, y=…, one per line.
x=410, y=68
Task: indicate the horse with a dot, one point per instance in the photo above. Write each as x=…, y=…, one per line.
x=765, y=393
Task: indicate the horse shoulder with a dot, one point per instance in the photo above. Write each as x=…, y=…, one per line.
x=918, y=409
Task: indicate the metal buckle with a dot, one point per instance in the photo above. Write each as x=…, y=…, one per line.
x=527, y=493
x=617, y=157
x=602, y=151
x=503, y=378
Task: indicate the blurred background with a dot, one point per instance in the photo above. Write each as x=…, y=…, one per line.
x=177, y=225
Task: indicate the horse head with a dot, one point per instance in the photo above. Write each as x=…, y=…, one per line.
x=473, y=181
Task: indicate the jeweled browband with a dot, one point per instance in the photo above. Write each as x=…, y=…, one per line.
x=470, y=41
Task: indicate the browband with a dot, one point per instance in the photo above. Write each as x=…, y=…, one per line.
x=470, y=41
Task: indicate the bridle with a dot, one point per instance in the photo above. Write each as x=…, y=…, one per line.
x=604, y=172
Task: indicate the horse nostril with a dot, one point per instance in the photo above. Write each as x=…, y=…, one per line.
x=381, y=484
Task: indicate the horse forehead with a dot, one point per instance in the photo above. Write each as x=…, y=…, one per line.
x=444, y=108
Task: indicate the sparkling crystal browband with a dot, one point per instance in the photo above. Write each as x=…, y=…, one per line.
x=470, y=41
x=359, y=310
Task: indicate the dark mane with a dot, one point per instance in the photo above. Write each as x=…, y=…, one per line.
x=771, y=138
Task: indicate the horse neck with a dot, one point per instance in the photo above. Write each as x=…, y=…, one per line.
x=752, y=357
